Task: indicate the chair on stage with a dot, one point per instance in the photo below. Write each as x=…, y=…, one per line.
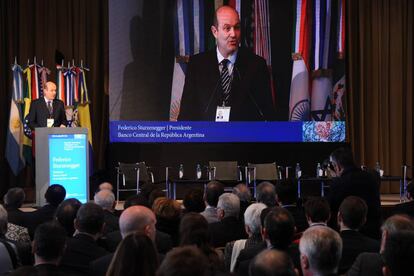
x=227, y=172
x=261, y=172
x=130, y=176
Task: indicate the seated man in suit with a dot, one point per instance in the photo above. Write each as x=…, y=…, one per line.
x=398, y=253
x=48, y=247
x=47, y=111
x=213, y=191
x=133, y=219
x=229, y=227
x=372, y=263
x=106, y=199
x=83, y=248
x=351, y=217
x=320, y=251
x=228, y=83
x=266, y=194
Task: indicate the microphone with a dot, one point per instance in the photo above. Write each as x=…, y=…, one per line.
x=250, y=96
x=210, y=100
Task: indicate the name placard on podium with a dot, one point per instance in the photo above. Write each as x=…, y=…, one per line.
x=62, y=157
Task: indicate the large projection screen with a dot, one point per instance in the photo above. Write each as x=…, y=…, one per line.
x=151, y=41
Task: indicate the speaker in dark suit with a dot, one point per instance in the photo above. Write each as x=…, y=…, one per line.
x=241, y=84
x=47, y=109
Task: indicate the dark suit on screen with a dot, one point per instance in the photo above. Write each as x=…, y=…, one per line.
x=250, y=96
x=39, y=113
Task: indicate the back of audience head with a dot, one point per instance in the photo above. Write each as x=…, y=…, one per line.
x=55, y=194
x=105, y=186
x=154, y=195
x=286, y=192
x=212, y=193
x=394, y=224
x=105, y=198
x=266, y=194
x=66, y=213
x=320, y=251
x=317, y=210
x=228, y=206
x=166, y=208
x=279, y=228
x=90, y=219
x=3, y=220
x=252, y=218
x=352, y=213
x=184, y=261
x=14, y=198
x=138, y=218
x=135, y=255
x=194, y=230
x=135, y=200
x=272, y=263
x=243, y=192
x=49, y=242
x=193, y=201
x=398, y=254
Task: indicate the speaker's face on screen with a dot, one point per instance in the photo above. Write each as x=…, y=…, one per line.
x=227, y=31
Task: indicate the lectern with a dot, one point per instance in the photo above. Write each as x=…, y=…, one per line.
x=62, y=157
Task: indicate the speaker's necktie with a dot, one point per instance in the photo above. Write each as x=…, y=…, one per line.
x=50, y=108
x=225, y=79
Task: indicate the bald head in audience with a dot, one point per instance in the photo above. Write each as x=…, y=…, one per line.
x=272, y=262
x=105, y=186
x=138, y=218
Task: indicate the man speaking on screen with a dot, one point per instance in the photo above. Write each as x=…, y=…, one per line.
x=228, y=83
x=47, y=111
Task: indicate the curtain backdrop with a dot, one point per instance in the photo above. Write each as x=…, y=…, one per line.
x=380, y=82
x=76, y=28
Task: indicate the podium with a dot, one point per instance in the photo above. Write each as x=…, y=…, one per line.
x=62, y=157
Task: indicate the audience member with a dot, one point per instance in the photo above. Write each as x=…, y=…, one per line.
x=134, y=219
x=286, y=194
x=137, y=199
x=82, y=249
x=48, y=248
x=320, y=251
x=212, y=193
x=8, y=251
x=243, y=193
x=351, y=217
x=66, y=214
x=253, y=229
x=106, y=199
x=54, y=195
x=398, y=254
x=154, y=195
x=229, y=227
x=317, y=211
x=105, y=186
x=184, y=261
x=13, y=200
x=193, y=201
x=272, y=263
x=352, y=180
x=266, y=194
x=194, y=231
x=372, y=263
x=136, y=255
x=168, y=213
x=278, y=231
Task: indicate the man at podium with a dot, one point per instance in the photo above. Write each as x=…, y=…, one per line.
x=47, y=111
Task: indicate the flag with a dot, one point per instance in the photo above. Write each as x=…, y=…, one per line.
x=14, y=142
x=299, y=102
x=321, y=107
x=188, y=40
x=27, y=139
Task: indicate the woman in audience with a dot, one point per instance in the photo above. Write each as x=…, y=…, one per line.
x=168, y=213
x=194, y=231
x=135, y=255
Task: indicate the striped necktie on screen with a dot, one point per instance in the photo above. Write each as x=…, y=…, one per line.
x=225, y=78
x=50, y=108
